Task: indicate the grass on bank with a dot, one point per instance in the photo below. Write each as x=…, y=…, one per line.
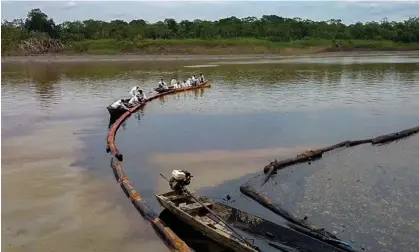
x=228, y=46
x=224, y=46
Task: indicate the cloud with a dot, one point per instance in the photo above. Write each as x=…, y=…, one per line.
x=70, y=5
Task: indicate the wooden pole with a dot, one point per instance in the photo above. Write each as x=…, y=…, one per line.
x=297, y=224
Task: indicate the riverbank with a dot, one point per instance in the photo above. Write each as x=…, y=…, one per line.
x=190, y=57
x=180, y=48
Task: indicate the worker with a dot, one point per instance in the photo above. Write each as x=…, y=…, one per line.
x=134, y=91
x=201, y=78
x=115, y=110
x=162, y=84
x=134, y=100
x=193, y=80
x=119, y=104
x=141, y=95
x=173, y=83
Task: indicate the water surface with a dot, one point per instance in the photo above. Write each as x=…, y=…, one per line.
x=224, y=135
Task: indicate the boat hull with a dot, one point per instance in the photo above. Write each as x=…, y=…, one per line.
x=163, y=90
x=213, y=234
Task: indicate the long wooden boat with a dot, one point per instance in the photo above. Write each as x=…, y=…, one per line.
x=174, y=90
x=266, y=234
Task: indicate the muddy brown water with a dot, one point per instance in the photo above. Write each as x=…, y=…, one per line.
x=59, y=194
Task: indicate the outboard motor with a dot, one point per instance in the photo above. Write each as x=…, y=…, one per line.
x=179, y=180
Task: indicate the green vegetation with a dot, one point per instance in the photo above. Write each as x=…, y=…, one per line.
x=38, y=34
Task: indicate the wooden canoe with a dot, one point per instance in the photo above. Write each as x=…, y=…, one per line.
x=194, y=214
x=175, y=90
x=266, y=234
x=163, y=90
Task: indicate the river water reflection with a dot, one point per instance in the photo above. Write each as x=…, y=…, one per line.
x=224, y=135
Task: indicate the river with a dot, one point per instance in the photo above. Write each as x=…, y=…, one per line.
x=58, y=189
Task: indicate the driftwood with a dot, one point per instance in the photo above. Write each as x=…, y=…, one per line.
x=166, y=234
x=316, y=154
x=41, y=45
x=395, y=136
x=295, y=223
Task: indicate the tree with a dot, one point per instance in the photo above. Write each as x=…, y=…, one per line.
x=38, y=21
x=268, y=27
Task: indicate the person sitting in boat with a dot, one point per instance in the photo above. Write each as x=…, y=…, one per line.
x=162, y=84
x=201, y=78
x=188, y=82
x=134, y=91
x=183, y=84
x=138, y=98
x=142, y=96
x=134, y=100
x=173, y=83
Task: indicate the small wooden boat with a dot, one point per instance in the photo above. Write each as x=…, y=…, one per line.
x=163, y=90
x=266, y=234
x=195, y=214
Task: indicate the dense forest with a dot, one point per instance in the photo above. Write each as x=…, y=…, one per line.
x=39, y=34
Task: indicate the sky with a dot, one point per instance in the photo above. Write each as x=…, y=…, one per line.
x=349, y=11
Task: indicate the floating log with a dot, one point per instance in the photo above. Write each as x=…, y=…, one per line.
x=395, y=136
x=165, y=233
x=297, y=224
x=304, y=157
x=316, y=154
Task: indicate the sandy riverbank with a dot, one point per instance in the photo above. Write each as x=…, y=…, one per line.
x=139, y=58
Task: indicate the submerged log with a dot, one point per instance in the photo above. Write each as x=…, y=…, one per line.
x=165, y=233
x=395, y=136
x=297, y=224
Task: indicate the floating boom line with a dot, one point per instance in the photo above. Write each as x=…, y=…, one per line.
x=173, y=242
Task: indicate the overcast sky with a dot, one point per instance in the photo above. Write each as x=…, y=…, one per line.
x=349, y=11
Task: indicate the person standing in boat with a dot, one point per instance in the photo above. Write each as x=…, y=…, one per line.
x=193, y=80
x=134, y=91
x=201, y=78
x=173, y=83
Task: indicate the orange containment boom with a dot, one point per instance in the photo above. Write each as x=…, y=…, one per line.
x=173, y=242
